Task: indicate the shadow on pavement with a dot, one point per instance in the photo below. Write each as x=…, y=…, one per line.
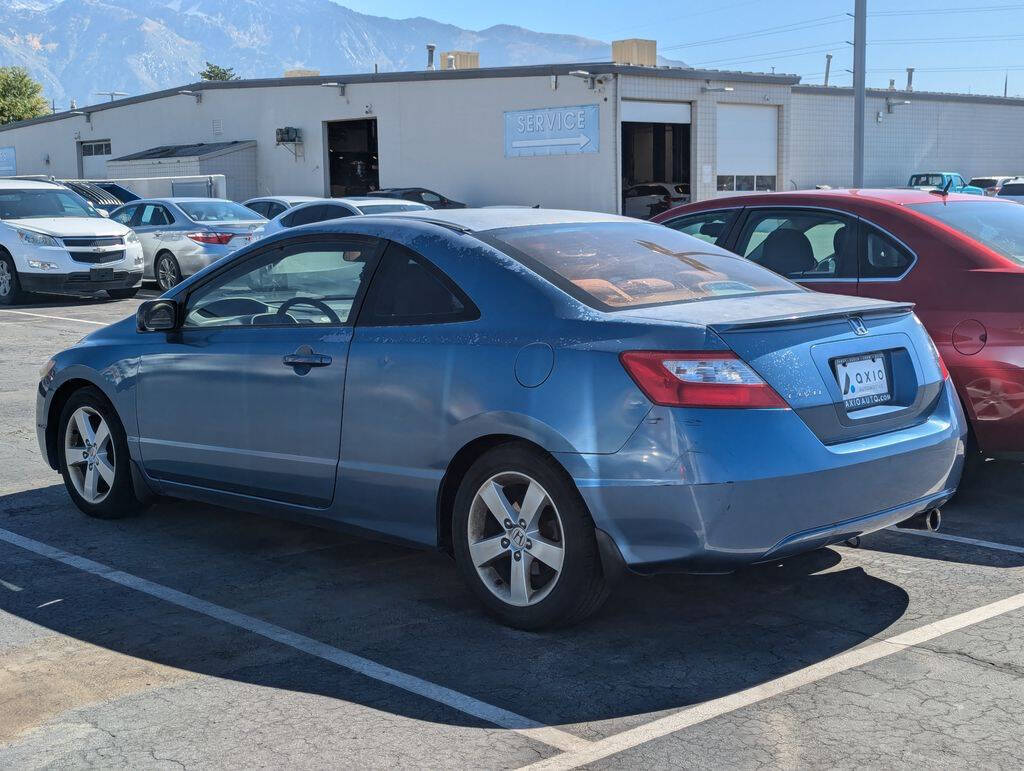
x=659, y=643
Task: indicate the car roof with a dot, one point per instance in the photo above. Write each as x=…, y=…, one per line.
x=285, y=198
x=893, y=196
x=28, y=184
x=492, y=218
x=172, y=199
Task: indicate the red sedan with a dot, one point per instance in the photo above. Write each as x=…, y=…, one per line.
x=960, y=258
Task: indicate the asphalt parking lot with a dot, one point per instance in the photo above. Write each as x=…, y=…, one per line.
x=197, y=637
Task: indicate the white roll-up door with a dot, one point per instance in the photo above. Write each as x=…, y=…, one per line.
x=747, y=150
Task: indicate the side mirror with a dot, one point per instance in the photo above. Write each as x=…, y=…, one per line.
x=157, y=316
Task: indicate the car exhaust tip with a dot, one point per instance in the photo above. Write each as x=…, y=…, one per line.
x=930, y=520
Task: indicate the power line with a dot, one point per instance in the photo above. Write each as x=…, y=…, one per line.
x=960, y=9
x=802, y=50
x=821, y=21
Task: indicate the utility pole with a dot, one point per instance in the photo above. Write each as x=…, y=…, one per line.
x=860, y=29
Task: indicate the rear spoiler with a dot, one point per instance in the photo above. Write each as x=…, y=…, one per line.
x=888, y=309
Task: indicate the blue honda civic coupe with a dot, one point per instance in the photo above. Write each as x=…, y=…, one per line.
x=549, y=396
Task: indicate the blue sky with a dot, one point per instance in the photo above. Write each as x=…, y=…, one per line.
x=956, y=45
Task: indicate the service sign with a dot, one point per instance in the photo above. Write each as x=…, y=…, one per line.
x=8, y=162
x=552, y=131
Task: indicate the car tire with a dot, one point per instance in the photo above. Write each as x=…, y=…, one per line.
x=167, y=271
x=96, y=469
x=557, y=579
x=10, y=285
x=123, y=294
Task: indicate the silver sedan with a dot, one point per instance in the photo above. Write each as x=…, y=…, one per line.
x=181, y=236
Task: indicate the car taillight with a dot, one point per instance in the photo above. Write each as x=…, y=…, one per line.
x=211, y=238
x=699, y=379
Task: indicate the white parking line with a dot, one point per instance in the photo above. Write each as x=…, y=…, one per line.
x=962, y=539
x=56, y=318
x=708, y=710
x=553, y=737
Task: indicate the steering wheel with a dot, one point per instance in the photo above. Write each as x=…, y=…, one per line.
x=287, y=305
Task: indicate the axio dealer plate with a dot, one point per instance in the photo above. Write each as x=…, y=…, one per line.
x=864, y=380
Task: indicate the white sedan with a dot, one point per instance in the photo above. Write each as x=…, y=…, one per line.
x=320, y=209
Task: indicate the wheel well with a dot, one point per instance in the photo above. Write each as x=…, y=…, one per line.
x=60, y=398
x=457, y=468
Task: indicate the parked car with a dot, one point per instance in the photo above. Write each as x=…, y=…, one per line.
x=646, y=200
x=1012, y=190
x=119, y=191
x=181, y=236
x=420, y=195
x=53, y=240
x=549, y=395
x=100, y=198
x=270, y=206
x=991, y=184
x=938, y=180
x=321, y=209
x=959, y=258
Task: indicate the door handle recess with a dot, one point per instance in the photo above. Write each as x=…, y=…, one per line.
x=307, y=360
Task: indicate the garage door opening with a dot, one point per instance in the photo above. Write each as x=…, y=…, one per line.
x=351, y=147
x=655, y=157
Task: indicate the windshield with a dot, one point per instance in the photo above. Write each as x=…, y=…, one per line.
x=28, y=204
x=996, y=224
x=217, y=211
x=612, y=265
x=926, y=180
x=384, y=208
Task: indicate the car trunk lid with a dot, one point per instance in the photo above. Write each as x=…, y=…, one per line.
x=849, y=367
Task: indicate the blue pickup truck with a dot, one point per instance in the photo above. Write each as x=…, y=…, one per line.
x=937, y=180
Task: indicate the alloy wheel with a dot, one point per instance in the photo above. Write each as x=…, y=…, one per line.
x=6, y=279
x=89, y=454
x=516, y=540
x=166, y=273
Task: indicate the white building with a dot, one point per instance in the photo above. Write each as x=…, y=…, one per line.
x=556, y=135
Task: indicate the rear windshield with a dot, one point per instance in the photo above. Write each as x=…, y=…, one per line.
x=217, y=211
x=384, y=208
x=1012, y=188
x=926, y=180
x=996, y=224
x=984, y=182
x=613, y=265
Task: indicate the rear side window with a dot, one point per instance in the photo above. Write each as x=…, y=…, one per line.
x=712, y=227
x=614, y=265
x=406, y=289
x=332, y=212
x=273, y=209
x=884, y=258
x=260, y=207
x=303, y=216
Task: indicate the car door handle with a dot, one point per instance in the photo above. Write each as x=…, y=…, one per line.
x=157, y=233
x=307, y=360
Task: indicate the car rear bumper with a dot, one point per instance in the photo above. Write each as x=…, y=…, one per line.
x=709, y=491
x=78, y=282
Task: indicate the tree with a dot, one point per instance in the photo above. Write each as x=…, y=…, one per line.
x=216, y=72
x=21, y=97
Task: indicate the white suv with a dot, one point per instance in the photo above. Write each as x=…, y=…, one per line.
x=53, y=240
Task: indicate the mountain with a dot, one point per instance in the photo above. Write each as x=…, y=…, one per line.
x=78, y=47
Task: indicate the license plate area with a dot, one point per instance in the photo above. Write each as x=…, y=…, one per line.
x=865, y=380
x=101, y=274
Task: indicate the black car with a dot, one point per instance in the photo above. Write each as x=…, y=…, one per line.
x=420, y=195
x=98, y=196
x=120, y=192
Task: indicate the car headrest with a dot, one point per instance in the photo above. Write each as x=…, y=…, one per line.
x=713, y=229
x=787, y=251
